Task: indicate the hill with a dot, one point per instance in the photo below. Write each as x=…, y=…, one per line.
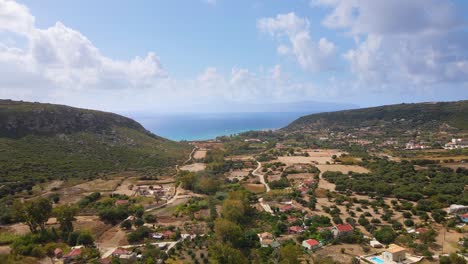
x=40, y=142
x=389, y=118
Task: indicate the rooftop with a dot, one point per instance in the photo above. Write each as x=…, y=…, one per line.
x=394, y=248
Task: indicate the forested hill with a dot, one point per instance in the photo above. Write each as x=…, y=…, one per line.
x=40, y=142
x=18, y=119
x=452, y=115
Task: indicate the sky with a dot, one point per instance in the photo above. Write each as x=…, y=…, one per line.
x=220, y=55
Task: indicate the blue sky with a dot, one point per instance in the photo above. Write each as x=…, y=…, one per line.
x=200, y=55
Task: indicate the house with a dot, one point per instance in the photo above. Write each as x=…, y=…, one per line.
x=303, y=190
x=72, y=255
x=342, y=230
x=286, y=208
x=58, y=253
x=121, y=202
x=309, y=183
x=295, y=229
x=457, y=209
x=464, y=218
x=167, y=234
x=310, y=244
x=394, y=253
x=375, y=244
x=157, y=235
x=265, y=238
x=124, y=256
x=457, y=143
x=421, y=230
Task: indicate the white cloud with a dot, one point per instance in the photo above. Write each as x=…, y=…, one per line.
x=391, y=17
x=59, y=64
x=312, y=55
x=419, y=42
x=15, y=17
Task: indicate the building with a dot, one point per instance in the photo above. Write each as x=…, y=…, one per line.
x=286, y=208
x=394, y=254
x=457, y=209
x=295, y=229
x=72, y=255
x=266, y=239
x=124, y=256
x=464, y=218
x=342, y=230
x=121, y=202
x=310, y=244
x=457, y=143
x=375, y=244
x=58, y=253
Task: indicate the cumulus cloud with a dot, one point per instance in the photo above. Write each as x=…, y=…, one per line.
x=65, y=58
x=60, y=64
x=420, y=42
x=312, y=55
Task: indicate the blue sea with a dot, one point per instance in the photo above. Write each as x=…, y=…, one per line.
x=201, y=126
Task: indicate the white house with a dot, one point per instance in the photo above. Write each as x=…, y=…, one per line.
x=394, y=254
x=310, y=244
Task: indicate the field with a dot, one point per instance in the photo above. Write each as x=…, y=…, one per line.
x=318, y=156
x=194, y=167
x=199, y=154
x=335, y=252
x=255, y=188
x=342, y=168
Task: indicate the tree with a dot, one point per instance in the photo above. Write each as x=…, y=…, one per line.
x=290, y=254
x=453, y=258
x=35, y=213
x=233, y=210
x=126, y=224
x=385, y=235
x=85, y=239
x=428, y=237
x=221, y=253
x=65, y=216
x=139, y=222
x=227, y=231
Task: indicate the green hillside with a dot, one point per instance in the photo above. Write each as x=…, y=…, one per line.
x=40, y=142
x=423, y=116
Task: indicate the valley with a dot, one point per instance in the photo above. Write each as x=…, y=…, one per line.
x=303, y=194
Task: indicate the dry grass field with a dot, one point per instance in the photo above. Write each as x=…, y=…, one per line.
x=255, y=188
x=342, y=168
x=199, y=154
x=194, y=167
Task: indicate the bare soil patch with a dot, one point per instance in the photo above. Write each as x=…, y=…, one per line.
x=194, y=167
x=200, y=154
x=342, y=168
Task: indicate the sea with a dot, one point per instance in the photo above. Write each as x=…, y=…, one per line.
x=203, y=126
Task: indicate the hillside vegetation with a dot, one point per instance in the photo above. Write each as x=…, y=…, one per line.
x=40, y=142
x=423, y=116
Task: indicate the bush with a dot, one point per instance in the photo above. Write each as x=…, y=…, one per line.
x=139, y=234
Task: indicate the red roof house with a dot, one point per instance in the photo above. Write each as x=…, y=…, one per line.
x=167, y=234
x=286, y=208
x=310, y=244
x=75, y=253
x=120, y=251
x=342, y=229
x=121, y=202
x=295, y=229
